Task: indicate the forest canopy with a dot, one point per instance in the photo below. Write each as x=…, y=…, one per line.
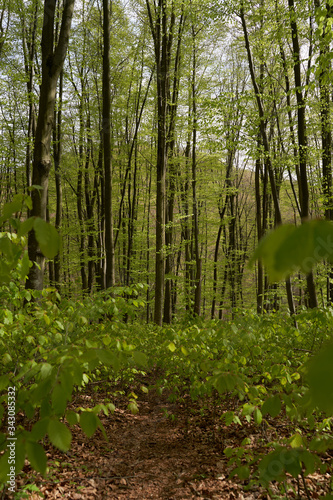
x=164, y=140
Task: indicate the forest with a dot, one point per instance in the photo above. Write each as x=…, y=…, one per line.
x=166, y=249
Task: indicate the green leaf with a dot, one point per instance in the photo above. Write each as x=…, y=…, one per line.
x=310, y=461
x=226, y=381
x=36, y=456
x=72, y=417
x=243, y=472
x=45, y=408
x=271, y=467
x=267, y=248
x=4, y=382
x=7, y=248
x=296, y=441
x=320, y=379
x=59, y=399
x=12, y=207
x=172, y=347
x=89, y=422
x=108, y=358
x=184, y=350
x=257, y=416
x=133, y=407
x=26, y=226
x=20, y=451
x=289, y=248
x=47, y=237
x=292, y=462
x=248, y=409
x=60, y=436
x=39, y=429
x=45, y=370
x=228, y=451
x=4, y=468
x=25, y=265
x=140, y=358
x=272, y=406
x=229, y=417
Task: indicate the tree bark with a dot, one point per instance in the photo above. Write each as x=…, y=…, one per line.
x=302, y=142
x=57, y=150
x=53, y=58
x=278, y=217
x=162, y=37
x=106, y=131
x=198, y=261
x=326, y=135
x=172, y=114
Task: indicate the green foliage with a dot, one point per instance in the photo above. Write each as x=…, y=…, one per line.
x=320, y=379
x=289, y=248
x=13, y=255
x=49, y=350
x=283, y=251
x=52, y=348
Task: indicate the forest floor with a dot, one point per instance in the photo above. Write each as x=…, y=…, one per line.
x=166, y=451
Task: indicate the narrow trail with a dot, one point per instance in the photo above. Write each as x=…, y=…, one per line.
x=147, y=455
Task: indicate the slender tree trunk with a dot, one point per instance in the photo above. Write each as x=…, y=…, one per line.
x=222, y=210
x=172, y=114
x=260, y=277
x=53, y=58
x=326, y=135
x=29, y=49
x=278, y=217
x=90, y=199
x=198, y=261
x=57, y=150
x=302, y=142
x=187, y=232
x=106, y=131
x=162, y=36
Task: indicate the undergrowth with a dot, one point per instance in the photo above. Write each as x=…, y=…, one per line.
x=52, y=348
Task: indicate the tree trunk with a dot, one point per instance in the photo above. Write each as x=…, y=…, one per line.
x=29, y=50
x=198, y=262
x=57, y=149
x=302, y=142
x=162, y=36
x=106, y=131
x=53, y=58
x=326, y=135
x=172, y=114
x=278, y=217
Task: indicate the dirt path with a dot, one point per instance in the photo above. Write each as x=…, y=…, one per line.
x=147, y=456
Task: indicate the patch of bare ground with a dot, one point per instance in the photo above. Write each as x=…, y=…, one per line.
x=151, y=456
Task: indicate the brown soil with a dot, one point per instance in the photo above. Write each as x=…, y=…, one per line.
x=151, y=455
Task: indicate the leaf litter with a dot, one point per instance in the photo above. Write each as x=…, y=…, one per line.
x=169, y=450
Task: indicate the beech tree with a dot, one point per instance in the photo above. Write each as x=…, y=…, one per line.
x=166, y=140
x=162, y=19
x=53, y=57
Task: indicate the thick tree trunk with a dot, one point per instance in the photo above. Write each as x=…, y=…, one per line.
x=52, y=63
x=106, y=132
